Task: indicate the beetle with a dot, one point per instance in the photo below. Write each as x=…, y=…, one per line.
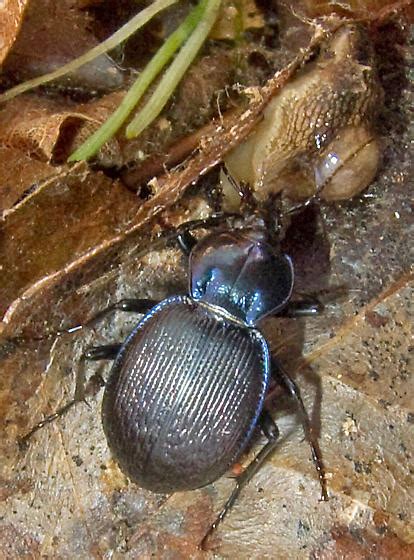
x=187, y=387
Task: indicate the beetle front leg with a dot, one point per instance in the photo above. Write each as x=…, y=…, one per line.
x=107, y=352
x=284, y=378
x=142, y=306
x=311, y=305
x=271, y=431
x=186, y=241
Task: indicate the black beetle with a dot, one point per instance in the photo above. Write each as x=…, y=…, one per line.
x=187, y=387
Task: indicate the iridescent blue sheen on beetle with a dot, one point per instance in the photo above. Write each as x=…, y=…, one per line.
x=184, y=395
x=240, y=272
x=187, y=387
x=186, y=390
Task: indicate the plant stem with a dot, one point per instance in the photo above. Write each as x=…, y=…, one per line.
x=92, y=145
x=176, y=71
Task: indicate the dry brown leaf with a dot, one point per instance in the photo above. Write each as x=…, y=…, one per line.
x=20, y=174
x=86, y=248
x=33, y=124
x=70, y=214
x=11, y=18
x=51, y=129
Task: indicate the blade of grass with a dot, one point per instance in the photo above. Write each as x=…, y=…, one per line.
x=92, y=145
x=113, y=41
x=176, y=71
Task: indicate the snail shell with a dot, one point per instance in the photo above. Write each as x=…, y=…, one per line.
x=349, y=164
x=317, y=133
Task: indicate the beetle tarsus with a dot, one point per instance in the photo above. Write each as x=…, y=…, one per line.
x=309, y=307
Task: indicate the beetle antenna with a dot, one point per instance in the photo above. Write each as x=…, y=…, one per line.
x=310, y=200
x=248, y=201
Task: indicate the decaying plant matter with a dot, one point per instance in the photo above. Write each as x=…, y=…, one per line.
x=75, y=240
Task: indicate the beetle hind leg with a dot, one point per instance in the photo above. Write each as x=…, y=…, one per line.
x=23, y=441
x=107, y=352
x=271, y=431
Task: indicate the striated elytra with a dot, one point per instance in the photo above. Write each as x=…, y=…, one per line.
x=187, y=387
x=184, y=396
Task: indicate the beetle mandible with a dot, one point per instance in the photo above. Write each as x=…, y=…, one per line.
x=187, y=387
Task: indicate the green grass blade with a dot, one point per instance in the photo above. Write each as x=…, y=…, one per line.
x=92, y=145
x=176, y=71
x=114, y=40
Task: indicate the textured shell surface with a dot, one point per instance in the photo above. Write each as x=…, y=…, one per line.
x=184, y=396
x=322, y=119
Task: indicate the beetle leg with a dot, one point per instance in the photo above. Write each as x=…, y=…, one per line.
x=271, y=431
x=307, y=202
x=281, y=375
x=22, y=441
x=186, y=241
x=107, y=352
x=308, y=307
x=142, y=305
x=243, y=189
x=128, y=305
x=268, y=426
x=78, y=397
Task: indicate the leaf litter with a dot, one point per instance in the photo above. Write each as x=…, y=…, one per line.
x=65, y=497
